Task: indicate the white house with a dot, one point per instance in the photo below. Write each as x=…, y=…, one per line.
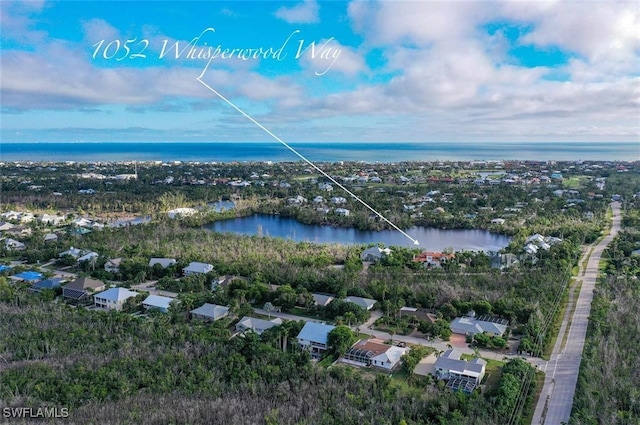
x=343, y=212
x=210, y=312
x=158, y=302
x=374, y=352
x=113, y=298
x=181, y=212
x=468, y=374
x=50, y=237
x=197, y=268
x=52, y=219
x=314, y=337
x=164, y=262
x=89, y=256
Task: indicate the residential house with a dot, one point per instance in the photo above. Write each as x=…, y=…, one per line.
x=433, y=259
x=158, y=302
x=50, y=237
x=28, y=276
x=222, y=281
x=338, y=200
x=504, y=261
x=52, y=219
x=314, y=338
x=418, y=313
x=472, y=326
x=74, y=252
x=197, y=268
x=343, y=212
x=365, y=303
x=113, y=298
x=80, y=289
x=181, y=212
x=322, y=300
x=163, y=262
x=89, y=256
x=374, y=352
x=54, y=284
x=14, y=245
x=499, y=221
x=298, y=200
x=113, y=265
x=258, y=326
x=5, y=225
x=375, y=253
x=461, y=374
x=209, y=312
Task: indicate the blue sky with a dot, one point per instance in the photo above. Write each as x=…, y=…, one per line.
x=388, y=71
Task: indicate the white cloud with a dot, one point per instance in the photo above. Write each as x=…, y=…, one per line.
x=99, y=29
x=306, y=12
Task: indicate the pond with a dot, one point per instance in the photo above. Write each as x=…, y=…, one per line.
x=430, y=239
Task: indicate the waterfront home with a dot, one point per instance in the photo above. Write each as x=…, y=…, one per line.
x=374, y=253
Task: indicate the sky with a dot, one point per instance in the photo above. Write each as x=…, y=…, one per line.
x=352, y=71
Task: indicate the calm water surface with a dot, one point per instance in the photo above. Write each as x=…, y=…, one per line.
x=430, y=239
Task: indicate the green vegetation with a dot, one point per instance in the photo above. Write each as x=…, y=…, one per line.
x=609, y=376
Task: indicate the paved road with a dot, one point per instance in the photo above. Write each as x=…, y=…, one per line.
x=556, y=398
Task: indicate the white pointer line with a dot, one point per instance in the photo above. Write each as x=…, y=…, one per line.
x=415, y=242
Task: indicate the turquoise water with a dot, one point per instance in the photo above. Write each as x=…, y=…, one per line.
x=327, y=152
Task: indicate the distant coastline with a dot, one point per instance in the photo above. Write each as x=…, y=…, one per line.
x=316, y=151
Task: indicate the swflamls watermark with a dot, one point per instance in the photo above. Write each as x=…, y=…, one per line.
x=35, y=412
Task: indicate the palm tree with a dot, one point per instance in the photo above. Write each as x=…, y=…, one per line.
x=349, y=316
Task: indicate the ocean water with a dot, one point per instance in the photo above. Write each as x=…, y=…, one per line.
x=316, y=152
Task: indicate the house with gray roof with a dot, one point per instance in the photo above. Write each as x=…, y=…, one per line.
x=314, y=337
x=258, y=326
x=158, y=302
x=195, y=267
x=374, y=253
x=365, y=303
x=113, y=298
x=322, y=300
x=461, y=374
x=471, y=326
x=209, y=312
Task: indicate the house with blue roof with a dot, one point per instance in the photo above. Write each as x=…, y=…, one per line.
x=314, y=338
x=55, y=283
x=28, y=276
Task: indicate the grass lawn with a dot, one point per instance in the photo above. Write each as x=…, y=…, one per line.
x=557, y=322
x=493, y=371
x=327, y=361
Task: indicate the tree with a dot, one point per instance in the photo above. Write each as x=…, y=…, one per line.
x=340, y=339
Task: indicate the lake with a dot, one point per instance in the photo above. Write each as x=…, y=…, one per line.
x=430, y=239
